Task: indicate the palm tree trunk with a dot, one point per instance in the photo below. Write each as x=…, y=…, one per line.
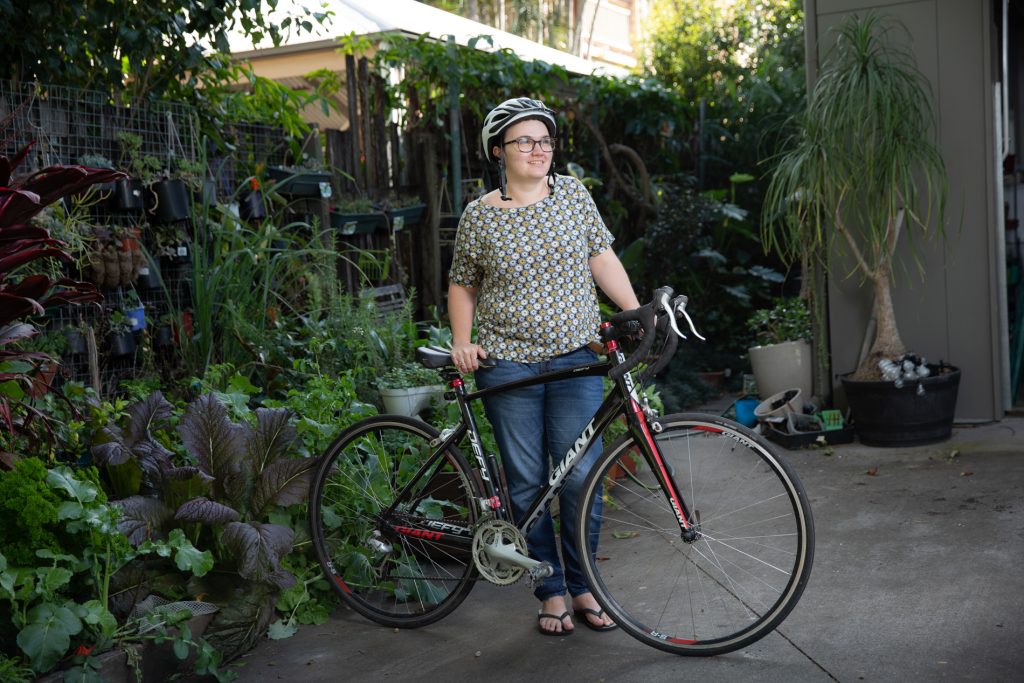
x=887, y=342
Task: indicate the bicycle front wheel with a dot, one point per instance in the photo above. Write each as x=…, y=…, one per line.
x=745, y=570
x=393, y=539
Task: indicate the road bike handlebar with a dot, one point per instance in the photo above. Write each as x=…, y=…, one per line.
x=663, y=311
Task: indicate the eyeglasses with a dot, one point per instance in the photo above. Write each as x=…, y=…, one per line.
x=526, y=144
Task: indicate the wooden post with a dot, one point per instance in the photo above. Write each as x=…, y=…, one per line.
x=430, y=236
x=368, y=152
x=351, y=87
x=456, y=137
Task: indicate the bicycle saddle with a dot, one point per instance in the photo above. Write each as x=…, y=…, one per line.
x=436, y=358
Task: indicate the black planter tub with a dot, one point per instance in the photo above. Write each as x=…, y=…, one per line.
x=886, y=415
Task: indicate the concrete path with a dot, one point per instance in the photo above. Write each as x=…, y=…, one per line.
x=917, y=577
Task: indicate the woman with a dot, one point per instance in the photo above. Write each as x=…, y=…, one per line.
x=527, y=257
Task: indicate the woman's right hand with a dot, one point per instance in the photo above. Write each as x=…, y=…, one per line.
x=467, y=356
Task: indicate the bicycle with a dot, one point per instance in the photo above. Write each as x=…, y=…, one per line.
x=706, y=539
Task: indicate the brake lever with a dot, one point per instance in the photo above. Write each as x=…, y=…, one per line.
x=680, y=309
x=665, y=305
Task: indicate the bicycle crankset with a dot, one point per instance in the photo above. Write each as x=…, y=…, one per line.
x=499, y=552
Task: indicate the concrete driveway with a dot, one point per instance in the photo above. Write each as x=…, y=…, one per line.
x=917, y=577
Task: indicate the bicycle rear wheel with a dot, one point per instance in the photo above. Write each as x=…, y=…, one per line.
x=743, y=574
x=400, y=559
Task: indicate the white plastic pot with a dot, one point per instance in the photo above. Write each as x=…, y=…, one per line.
x=409, y=402
x=778, y=367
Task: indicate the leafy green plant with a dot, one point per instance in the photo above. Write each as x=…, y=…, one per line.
x=408, y=375
x=143, y=167
x=119, y=323
x=788, y=320
x=62, y=594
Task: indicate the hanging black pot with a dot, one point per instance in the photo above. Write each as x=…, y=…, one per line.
x=149, y=278
x=170, y=201
x=127, y=195
x=75, y=342
x=121, y=344
x=887, y=415
x=250, y=206
x=301, y=183
x=163, y=336
x=207, y=194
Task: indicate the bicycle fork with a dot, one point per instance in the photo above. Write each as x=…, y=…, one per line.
x=689, y=522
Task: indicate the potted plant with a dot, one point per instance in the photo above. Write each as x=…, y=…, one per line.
x=74, y=341
x=356, y=216
x=195, y=176
x=407, y=388
x=149, y=276
x=781, y=355
x=403, y=210
x=134, y=311
x=141, y=168
x=116, y=257
x=300, y=182
x=120, y=339
x=862, y=169
x=169, y=200
x=163, y=333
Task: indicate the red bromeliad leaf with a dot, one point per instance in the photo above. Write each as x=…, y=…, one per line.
x=10, y=261
x=20, y=203
x=8, y=165
x=16, y=331
x=13, y=306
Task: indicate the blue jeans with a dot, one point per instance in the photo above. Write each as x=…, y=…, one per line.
x=535, y=427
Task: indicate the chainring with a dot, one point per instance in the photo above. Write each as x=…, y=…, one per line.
x=497, y=532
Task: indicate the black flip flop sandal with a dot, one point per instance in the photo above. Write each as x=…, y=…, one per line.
x=556, y=617
x=599, y=613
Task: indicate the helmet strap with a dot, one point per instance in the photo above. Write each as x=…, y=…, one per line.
x=501, y=179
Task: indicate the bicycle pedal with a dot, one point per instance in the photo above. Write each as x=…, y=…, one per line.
x=541, y=571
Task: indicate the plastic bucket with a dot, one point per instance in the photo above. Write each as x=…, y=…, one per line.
x=745, y=408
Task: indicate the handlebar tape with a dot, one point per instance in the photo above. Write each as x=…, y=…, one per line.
x=647, y=318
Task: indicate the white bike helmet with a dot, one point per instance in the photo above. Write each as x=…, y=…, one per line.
x=504, y=115
x=507, y=113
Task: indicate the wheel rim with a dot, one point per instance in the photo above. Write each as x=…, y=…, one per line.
x=743, y=574
x=382, y=566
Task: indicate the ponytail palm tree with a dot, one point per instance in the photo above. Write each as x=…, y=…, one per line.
x=863, y=168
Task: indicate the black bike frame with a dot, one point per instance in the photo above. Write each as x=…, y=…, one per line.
x=613, y=405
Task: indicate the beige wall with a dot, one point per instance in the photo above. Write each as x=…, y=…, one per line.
x=953, y=313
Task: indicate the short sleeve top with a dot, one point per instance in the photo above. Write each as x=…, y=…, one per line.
x=536, y=295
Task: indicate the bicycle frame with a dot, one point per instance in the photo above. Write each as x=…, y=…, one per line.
x=620, y=401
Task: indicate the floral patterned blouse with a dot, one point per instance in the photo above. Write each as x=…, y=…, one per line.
x=536, y=296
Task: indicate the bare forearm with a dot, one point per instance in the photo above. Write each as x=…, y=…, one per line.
x=611, y=277
x=461, y=307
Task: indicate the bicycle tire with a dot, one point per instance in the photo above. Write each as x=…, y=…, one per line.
x=394, y=578
x=739, y=579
